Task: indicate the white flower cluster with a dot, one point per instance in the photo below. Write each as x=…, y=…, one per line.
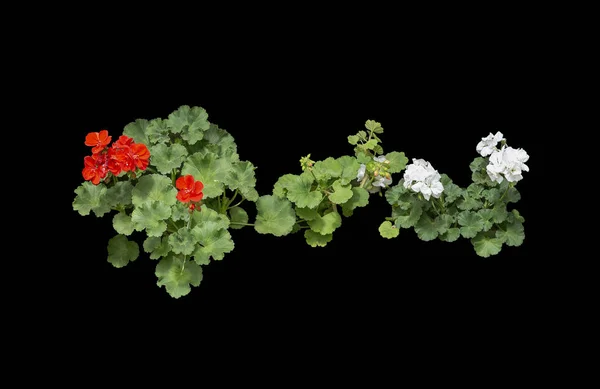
x=488, y=144
x=380, y=180
x=505, y=162
x=421, y=177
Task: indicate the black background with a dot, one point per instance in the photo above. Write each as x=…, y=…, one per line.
x=435, y=93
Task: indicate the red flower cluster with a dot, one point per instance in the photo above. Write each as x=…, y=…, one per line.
x=190, y=190
x=124, y=155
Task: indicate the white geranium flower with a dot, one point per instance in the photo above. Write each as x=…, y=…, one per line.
x=488, y=144
x=507, y=163
x=381, y=181
x=381, y=158
x=421, y=177
x=361, y=172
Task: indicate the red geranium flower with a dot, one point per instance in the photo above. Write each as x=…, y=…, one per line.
x=98, y=140
x=189, y=189
x=96, y=168
x=140, y=155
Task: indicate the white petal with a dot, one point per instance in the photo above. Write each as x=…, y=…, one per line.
x=361, y=172
x=381, y=158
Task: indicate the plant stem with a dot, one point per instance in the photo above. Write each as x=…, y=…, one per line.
x=242, y=224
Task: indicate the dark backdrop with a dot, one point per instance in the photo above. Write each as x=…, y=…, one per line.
x=280, y=102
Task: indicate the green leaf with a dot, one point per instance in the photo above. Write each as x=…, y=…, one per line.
x=274, y=216
x=443, y=223
x=307, y=213
x=370, y=144
x=91, y=197
x=121, y=251
x=471, y=223
x=499, y=213
x=387, y=230
x=513, y=195
x=166, y=158
x=350, y=166
x=451, y=190
x=137, y=131
x=237, y=215
x=487, y=216
x=182, y=241
x=214, y=240
x=514, y=215
x=327, y=169
x=406, y=218
x=157, y=131
x=451, y=235
x=426, y=228
x=300, y=192
x=157, y=246
x=150, y=217
x=486, y=244
x=281, y=185
x=315, y=239
x=478, y=164
x=119, y=194
x=360, y=198
x=209, y=216
x=190, y=122
x=374, y=126
x=394, y=193
x=122, y=223
x=177, y=274
x=326, y=224
x=353, y=139
x=397, y=160
x=468, y=203
x=361, y=157
x=152, y=188
x=209, y=169
x=180, y=211
x=223, y=142
x=492, y=195
x=513, y=234
x=241, y=177
x=341, y=193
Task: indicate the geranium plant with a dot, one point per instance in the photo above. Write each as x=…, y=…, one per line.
x=181, y=183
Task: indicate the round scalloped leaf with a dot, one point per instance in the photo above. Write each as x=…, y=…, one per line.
x=150, y=217
x=208, y=215
x=166, y=158
x=191, y=123
x=91, y=197
x=307, y=213
x=299, y=191
x=406, y=218
x=350, y=166
x=122, y=224
x=360, y=198
x=274, y=216
x=327, y=169
x=326, y=224
x=451, y=190
x=281, y=185
x=341, y=193
x=487, y=216
x=394, y=193
x=499, y=213
x=513, y=234
x=471, y=223
x=451, y=235
x=119, y=194
x=154, y=187
x=241, y=176
x=214, y=242
x=121, y=251
x=315, y=239
x=182, y=241
x=157, y=246
x=426, y=228
x=176, y=275
x=158, y=131
x=388, y=230
x=237, y=215
x=486, y=244
x=208, y=169
x=478, y=164
x=397, y=160
x=353, y=139
x=137, y=131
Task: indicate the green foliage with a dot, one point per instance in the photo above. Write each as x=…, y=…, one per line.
x=183, y=237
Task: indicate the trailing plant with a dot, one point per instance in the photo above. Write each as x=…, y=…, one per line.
x=180, y=182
